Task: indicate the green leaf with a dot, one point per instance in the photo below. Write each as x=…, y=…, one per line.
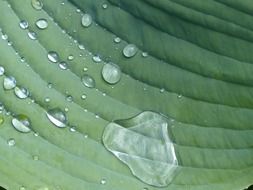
x=193, y=65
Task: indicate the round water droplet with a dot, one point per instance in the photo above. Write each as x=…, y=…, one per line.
x=23, y=24
x=49, y=85
x=72, y=129
x=70, y=57
x=21, y=123
x=103, y=181
x=84, y=96
x=21, y=92
x=144, y=54
x=32, y=35
x=85, y=136
x=37, y=4
x=179, y=96
x=47, y=99
x=97, y=116
x=78, y=10
x=117, y=40
x=1, y=120
x=81, y=47
x=9, y=83
x=63, y=65
x=111, y=73
x=85, y=69
x=129, y=50
x=104, y=6
x=96, y=58
x=42, y=23
x=35, y=158
x=69, y=98
x=11, y=142
x=162, y=90
x=36, y=134
x=2, y=70
x=53, y=56
x=86, y=20
x=66, y=109
x=4, y=36
x=22, y=188
x=57, y=117
x=88, y=81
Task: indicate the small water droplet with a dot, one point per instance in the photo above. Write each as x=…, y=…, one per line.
x=145, y=188
x=23, y=24
x=36, y=134
x=4, y=36
x=35, y=157
x=22, y=188
x=69, y=98
x=57, y=117
x=111, y=73
x=129, y=50
x=85, y=69
x=96, y=58
x=9, y=83
x=72, y=129
x=144, y=54
x=63, y=65
x=103, y=181
x=2, y=70
x=42, y=23
x=104, y=6
x=22, y=59
x=117, y=40
x=97, y=116
x=37, y=4
x=84, y=96
x=70, y=57
x=81, y=47
x=179, y=96
x=47, y=99
x=86, y=20
x=66, y=109
x=32, y=35
x=11, y=142
x=88, y=81
x=21, y=92
x=21, y=123
x=104, y=94
x=1, y=120
x=49, y=85
x=162, y=90
x=85, y=136
x=53, y=56
x=9, y=43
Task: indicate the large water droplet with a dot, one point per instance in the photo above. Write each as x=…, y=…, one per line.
x=86, y=20
x=11, y=142
x=4, y=36
x=9, y=82
x=111, y=73
x=21, y=123
x=57, y=117
x=37, y=4
x=63, y=65
x=32, y=35
x=21, y=92
x=129, y=50
x=23, y=24
x=2, y=70
x=53, y=56
x=88, y=81
x=42, y=23
x=117, y=40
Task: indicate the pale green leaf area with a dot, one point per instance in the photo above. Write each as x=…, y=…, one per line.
x=126, y=94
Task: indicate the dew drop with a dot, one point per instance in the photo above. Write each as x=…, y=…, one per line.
x=96, y=58
x=37, y=4
x=49, y=85
x=32, y=35
x=21, y=92
x=88, y=81
x=84, y=96
x=111, y=73
x=85, y=69
x=78, y=10
x=117, y=40
x=4, y=36
x=66, y=109
x=104, y=6
x=179, y=96
x=85, y=136
x=144, y=54
x=9, y=83
x=86, y=20
x=81, y=47
x=63, y=65
x=23, y=24
x=129, y=50
x=72, y=129
x=11, y=142
x=35, y=157
x=57, y=117
x=2, y=70
x=162, y=90
x=70, y=57
x=53, y=56
x=22, y=188
x=42, y=23
x=21, y=123
x=103, y=181
x=47, y=99
x=69, y=98
x=36, y=134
